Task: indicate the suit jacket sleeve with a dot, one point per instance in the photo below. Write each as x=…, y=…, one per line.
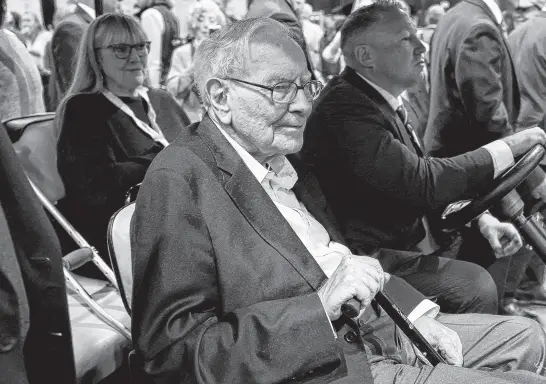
x=478, y=75
x=179, y=325
x=378, y=159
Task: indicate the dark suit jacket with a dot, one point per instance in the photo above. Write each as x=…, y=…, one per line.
x=35, y=335
x=528, y=47
x=474, y=97
x=369, y=170
x=102, y=154
x=224, y=290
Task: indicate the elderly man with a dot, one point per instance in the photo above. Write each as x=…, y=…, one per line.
x=239, y=275
x=370, y=163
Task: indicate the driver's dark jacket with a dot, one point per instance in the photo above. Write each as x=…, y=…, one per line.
x=378, y=187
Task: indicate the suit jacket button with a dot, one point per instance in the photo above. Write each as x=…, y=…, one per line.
x=350, y=337
x=7, y=343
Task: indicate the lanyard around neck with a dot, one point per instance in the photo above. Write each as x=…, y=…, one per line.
x=154, y=132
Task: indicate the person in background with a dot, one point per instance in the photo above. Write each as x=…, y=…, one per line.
x=161, y=27
x=21, y=87
x=475, y=99
x=528, y=46
x=286, y=12
x=205, y=19
x=110, y=127
x=36, y=38
x=71, y=22
x=432, y=16
x=313, y=34
x=13, y=23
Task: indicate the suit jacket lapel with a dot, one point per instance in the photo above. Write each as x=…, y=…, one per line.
x=353, y=78
x=256, y=206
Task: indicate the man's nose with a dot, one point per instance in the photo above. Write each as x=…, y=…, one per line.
x=301, y=103
x=420, y=48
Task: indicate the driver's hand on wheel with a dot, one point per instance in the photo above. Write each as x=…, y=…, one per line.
x=358, y=277
x=443, y=339
x=503, y=238
x=522, y=141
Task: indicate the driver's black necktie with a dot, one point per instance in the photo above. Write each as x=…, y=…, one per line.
x=403, y=115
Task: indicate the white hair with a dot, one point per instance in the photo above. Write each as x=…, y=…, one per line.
x=225, y=52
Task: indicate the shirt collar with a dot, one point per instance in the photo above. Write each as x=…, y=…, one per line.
x=494, y=7
x=258, y=170
x=394, y=102
x=87, y=9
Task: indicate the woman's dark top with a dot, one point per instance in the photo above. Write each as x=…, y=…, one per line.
x=102, y=153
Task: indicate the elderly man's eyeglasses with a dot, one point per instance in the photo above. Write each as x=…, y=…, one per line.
x=123, y=51
x=285, y=91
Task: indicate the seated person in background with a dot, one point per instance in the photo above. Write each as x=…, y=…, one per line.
x=239, y=274
x=205, y=18
x=110, y=126
x=20, y=83
x=370, y=165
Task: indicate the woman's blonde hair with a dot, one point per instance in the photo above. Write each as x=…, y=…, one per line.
x=107, y=29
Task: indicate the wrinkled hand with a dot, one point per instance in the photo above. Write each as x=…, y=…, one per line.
x=358, y=277
x=503, y=238
x=540, y=190
x=443, y=339
x=522, y=141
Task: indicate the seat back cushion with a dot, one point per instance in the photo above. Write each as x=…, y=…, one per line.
x=119, y=248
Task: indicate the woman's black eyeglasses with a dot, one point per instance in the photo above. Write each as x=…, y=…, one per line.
x=285, y=91
x=123, y=51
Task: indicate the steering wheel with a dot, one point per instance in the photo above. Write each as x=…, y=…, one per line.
x=459, y=214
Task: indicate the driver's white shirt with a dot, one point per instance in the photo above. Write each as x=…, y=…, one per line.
x=277, y=183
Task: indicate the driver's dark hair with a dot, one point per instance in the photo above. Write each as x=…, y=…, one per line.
x=363, y=18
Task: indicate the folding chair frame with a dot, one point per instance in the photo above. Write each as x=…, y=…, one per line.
x=81, y=258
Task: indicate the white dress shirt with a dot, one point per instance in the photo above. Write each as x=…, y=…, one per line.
x=494, y=7
x=500, y=151
x=277, y=183
x=153, y=24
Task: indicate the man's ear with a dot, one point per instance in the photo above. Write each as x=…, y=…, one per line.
x=217, y=94
x=363, y=56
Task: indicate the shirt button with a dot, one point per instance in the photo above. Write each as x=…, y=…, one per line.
x=350, y=337
x=7, y=343
x=361, y=322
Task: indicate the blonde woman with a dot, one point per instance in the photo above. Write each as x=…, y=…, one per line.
x=111, y=127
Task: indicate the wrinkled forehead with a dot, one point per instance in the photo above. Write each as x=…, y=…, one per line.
x=119, y=33
x=274, y=46
x=279, y=60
